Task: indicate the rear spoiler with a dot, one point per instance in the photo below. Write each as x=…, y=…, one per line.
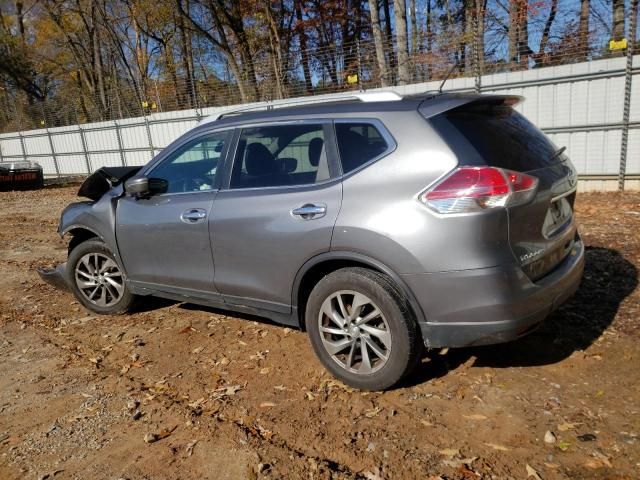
x=433, y=106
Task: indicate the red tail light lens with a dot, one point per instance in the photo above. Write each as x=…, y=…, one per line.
x=473, y=189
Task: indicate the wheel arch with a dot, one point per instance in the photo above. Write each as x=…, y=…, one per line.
x=317, y=267
x=78, y=235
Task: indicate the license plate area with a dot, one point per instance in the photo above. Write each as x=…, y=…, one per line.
x=558, y=217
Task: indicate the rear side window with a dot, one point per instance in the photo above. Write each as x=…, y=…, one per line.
x=280, y=155
x=358, y=143
x=503, y=137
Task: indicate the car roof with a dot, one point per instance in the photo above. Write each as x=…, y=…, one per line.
x=336, y=106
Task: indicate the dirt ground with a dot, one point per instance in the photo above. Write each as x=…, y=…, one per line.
x=230, y=397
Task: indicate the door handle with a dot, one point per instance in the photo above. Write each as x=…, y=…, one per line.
x=193, y=215
x=309, y=211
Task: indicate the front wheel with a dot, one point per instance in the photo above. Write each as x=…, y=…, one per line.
x=362, y=329
x=97, y=280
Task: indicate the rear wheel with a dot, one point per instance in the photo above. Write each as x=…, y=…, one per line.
x=362, y=329
x=97, y=280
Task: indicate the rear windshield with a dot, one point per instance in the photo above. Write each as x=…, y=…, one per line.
x=502, y=137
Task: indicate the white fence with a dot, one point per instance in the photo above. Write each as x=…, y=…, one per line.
x=579, y=106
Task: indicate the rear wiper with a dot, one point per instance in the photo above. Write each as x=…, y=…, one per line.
x=558, y=152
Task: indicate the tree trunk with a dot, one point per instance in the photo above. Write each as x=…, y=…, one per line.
x=400, y=12
x=617, y=30
x=583, y=29
x=514, y=36
x=276, y=50
x=377, y=39
x=302, y=36
x=540, y=56
x=413, y=21
x=389, y=39
x=481, y=8
x=429, y=34
x=523, y=42
x=185, y=39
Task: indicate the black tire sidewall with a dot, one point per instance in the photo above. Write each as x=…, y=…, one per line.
x=405, y=340
x=95, y=246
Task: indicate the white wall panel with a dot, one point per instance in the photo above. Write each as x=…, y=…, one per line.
x=557, y=101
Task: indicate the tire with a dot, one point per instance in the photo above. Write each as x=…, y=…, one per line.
x=102, y=290
x=390, y=340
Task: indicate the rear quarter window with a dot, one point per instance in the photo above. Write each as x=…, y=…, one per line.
x=359, y=143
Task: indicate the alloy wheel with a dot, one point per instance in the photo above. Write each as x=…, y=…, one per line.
x=99, y=279
x=354, y=332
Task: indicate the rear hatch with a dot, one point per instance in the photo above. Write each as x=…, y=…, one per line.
x=488, y=131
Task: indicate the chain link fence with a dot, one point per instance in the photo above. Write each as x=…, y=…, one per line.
x=105, y=127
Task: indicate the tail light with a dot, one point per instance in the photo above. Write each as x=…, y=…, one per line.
x=474, y=189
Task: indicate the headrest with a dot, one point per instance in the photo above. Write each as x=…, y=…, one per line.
x=315, y=150
x=258, y=160
x=288, y=165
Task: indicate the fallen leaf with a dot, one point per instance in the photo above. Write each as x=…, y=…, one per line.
x=496, y=446
x=264, y=371
x=599, y=393
x=373, y=412
x=189, y=447
x=460, y=462
x=449, y=452
x=267, y=404
x=188, y=329
x=426, y=423
x=564, y=427
x=197, y=403
x=564, y=446
x=197, y=350
x=603, y=458
x=532, y=473
x=475, y=416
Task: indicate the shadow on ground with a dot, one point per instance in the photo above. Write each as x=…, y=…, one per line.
x=608, y=280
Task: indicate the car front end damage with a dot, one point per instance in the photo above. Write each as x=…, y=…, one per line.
x=93, y=218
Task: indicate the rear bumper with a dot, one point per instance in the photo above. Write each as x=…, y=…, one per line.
x=491, y=305
x=54, y=276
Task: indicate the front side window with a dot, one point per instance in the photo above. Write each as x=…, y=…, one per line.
x=358, y=143
x=194, y=166
x=280, y=155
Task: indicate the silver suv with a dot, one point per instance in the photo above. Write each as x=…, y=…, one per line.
x=379, y=224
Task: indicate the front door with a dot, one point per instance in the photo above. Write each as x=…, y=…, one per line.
x=278, y=212
x=164, y=240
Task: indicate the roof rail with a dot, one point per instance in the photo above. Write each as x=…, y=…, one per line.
x=361, y=96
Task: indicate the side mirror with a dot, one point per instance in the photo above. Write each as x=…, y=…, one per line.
x=143, y=186
x=137, y=186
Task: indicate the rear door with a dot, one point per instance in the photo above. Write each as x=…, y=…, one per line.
x=542, y=232
x=278, y=211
